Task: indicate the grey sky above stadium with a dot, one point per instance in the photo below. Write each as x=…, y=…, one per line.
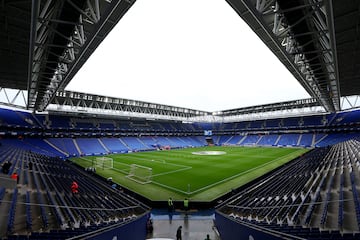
x=196, y=54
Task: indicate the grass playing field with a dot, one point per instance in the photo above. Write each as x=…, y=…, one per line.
x=181, y=173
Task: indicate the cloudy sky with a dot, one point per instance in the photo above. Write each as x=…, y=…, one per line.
x=196, y=54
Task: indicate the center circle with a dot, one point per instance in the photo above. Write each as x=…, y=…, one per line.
x=209, y=153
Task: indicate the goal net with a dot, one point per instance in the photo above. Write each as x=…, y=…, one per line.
x=140, y=174
x=103, y=163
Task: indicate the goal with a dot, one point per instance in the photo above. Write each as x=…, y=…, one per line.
x=140, y=174
x=103, y=163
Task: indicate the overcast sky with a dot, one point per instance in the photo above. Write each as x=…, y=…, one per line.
x=196, y=54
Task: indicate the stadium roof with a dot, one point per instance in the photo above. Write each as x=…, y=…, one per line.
x=44, y=43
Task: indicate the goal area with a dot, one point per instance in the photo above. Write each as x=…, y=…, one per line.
x=140, y=174
x=103, y=163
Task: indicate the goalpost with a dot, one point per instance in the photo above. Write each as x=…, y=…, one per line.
x=103, y=163
x=140, y=174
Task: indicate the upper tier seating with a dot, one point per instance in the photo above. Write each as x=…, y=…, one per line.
x=14, y=118
x=293, y=122
x=346, y=118
x=70, y=126
x=272, y=123
x=59, y=122
x=313, y=121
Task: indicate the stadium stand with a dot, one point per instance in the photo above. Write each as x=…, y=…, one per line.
x=65, y=145
x=224, y=139
x=306, y=140
x=298, y=198
x=157, y=126
x=134, y=143
x=257, y=124
x=291, y=123
x=124, y=125
x=250, y=140
x=13, y=118
x=272, y=123
x=288, y=140
x=46, y=191
x=320, y=127
x=85, y=124
x=300, y=194
x=90, y=146
x=114, y=145
x=234, y=140
x=216, y=139
x=105, y=125
x=228, y=126
x=346, y=118
x=176, y=142
x=59, y=122
x=313, y=121
x=268, y=140
x=242, y=125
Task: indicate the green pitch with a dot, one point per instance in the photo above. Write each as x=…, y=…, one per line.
x=181, y=173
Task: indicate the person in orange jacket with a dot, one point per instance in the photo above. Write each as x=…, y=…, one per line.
x=15, y=176
x=74, y=187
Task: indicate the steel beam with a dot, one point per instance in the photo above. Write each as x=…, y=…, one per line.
x=299, y=58
x=84, y=41
x=33, y=26
x=336, y=94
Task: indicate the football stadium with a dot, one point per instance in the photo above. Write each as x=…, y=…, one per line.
x=79, y=165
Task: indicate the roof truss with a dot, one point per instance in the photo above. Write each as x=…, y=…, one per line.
x=91, y=103
x=301, y=34
x=63, y=36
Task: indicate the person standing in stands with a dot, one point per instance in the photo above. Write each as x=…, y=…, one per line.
x=30, y=165
x=149, y=226
x=186, y=205
x=170, y=205
x=15, y=176
x=6, y=167
x=207, y=237
x=74, y=187
x=178, y=233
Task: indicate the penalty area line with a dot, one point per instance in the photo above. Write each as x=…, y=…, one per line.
x=88, y=160
x=174, y=171
x=171, y=188
x=161, y=162
x=154, y=182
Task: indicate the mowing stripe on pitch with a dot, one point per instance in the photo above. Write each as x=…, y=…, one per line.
x=239, y=174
